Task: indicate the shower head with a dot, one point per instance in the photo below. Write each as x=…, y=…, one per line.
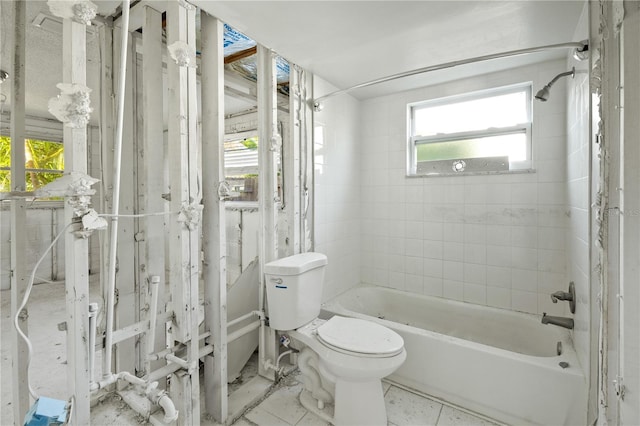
x=543, y=94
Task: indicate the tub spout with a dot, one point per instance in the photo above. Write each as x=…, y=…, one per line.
x=560, y=321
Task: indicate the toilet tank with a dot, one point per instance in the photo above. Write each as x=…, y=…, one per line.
x=294, y=289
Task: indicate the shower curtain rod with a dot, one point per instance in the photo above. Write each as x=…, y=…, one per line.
x=576, y=44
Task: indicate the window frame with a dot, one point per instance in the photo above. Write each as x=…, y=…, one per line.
x=526, y=128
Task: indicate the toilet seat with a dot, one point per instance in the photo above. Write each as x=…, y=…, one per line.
x=358, y=337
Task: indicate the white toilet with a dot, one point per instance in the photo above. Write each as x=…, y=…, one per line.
x=343, y=359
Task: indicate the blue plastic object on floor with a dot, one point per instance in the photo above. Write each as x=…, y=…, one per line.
x=46, y=412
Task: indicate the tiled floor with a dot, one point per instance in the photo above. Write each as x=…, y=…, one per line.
x=404, y=408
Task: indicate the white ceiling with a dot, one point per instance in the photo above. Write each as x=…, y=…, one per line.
x=350, y=42
x=344, y=42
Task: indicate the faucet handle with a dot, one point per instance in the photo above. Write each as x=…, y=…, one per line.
x=569, y=296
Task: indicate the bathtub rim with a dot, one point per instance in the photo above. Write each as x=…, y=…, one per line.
x=333, y=306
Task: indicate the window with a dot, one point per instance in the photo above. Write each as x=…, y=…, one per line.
x=488, y=131
x=241, y=166
x=44, y=162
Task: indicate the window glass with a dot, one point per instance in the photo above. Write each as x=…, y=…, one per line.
x=494, y=125
x=44, y=162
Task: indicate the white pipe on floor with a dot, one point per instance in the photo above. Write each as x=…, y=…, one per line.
x=156, y=396
x=117, y=163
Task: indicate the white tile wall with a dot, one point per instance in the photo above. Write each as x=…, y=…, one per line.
x=491, y=240
x=577, y=188
x=337, y=200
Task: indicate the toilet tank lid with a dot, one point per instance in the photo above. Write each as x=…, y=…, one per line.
x=296, y=264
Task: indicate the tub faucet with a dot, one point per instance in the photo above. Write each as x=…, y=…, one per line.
x=560, y=321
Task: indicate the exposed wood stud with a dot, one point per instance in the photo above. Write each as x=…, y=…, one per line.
x=267, y=187
x=76, y=249
x=20, y=395
x=234, y=57
x=184, y=252
x=214, y=238
x=152, y=173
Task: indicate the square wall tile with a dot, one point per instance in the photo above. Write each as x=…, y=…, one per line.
x=499, y=297
x=474, y=293
x=453, y=289
x=453, y=232
x=498, y=276
x=475, y=274
x=455, y=271
x=524, y=301
x=433, y=286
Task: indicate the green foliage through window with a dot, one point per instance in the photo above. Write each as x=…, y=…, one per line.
x=44, y=162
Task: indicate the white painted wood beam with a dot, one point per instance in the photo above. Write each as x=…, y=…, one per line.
x=184, y=234
x=74, y=63
x=107, y=134
x=267, y=187
x=152, y=173
x=127, y=308
x=137, y=14
x=214, y=237
x=20, y=394
x=291, y=166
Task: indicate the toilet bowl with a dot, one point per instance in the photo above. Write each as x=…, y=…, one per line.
x=342, y=359
x=353, y=355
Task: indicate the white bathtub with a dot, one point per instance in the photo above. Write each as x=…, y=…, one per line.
x=495, y=362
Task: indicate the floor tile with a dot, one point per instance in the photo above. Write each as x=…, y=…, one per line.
x=406, y=408
x=450, y=416
x=242, y=422
x=311, y=419
x=284, y=402
x=262, y=417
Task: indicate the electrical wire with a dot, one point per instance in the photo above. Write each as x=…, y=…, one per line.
x=25, y=299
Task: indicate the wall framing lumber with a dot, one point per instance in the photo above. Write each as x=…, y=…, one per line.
x=184, y=235
x=214, y=238
x=152, y=175
x=127, y=310
x=74, y=64
x=107, y=135
x=267, y=187
x=292, y=149
x=20, y=395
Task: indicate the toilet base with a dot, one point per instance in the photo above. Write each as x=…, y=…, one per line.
x=360, y=404
x=311, y=404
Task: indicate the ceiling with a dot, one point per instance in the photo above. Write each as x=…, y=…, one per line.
x=344, y=42
x=350, y=42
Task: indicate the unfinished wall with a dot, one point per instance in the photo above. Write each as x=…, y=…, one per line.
x=338, y=149
x=496, y=240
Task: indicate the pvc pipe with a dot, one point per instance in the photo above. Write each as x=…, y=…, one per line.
x=117, y=164
x=170, y=412
x=93, y=313
x=244, y=330
x=159, y=397
x=171, y=368
x=153, y=316
x=177, y=360
x=243, y=317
